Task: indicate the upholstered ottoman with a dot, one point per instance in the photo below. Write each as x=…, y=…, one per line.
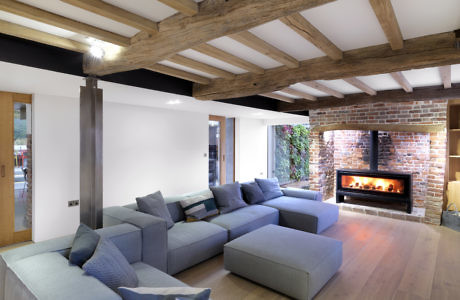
x=293, y=262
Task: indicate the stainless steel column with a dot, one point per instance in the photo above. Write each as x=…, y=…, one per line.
x=91, y=154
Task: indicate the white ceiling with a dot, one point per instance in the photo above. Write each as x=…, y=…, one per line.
x=349, y=24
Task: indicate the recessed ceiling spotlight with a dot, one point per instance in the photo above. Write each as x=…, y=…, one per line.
x=174, y=102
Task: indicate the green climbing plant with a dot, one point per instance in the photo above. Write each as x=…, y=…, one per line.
x=292, y=152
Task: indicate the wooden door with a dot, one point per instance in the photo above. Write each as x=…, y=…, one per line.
x=8, y=234
x=221, y=147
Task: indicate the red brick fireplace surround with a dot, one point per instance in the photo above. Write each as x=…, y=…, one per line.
x=421, y=154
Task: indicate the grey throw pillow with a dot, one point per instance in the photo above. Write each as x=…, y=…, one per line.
x=155, y=205
x=171, y=293
x=252, y=193
x=270, y=187
x=228, y=197
x=83, y=246
x=110, y=266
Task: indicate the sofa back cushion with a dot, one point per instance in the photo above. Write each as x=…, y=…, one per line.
x=270, y=187
x=127, y=238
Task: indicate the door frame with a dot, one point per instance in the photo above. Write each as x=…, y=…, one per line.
x=8, y=235
x=222, y=152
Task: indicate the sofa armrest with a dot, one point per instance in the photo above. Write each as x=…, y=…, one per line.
x=304, y=194
x=154, y=233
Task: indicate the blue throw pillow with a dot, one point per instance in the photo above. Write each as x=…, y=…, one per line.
x=270, y=187
x=228, y=197
x=83, y=246
x=171, y=293
x=155, y=205
x=110, y=266
x=252, y=193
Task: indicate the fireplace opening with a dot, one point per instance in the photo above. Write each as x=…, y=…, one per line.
x=373, y=184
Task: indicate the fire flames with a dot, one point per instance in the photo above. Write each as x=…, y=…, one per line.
x=373, y=184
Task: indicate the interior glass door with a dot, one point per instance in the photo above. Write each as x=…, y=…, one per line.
x=216, y=150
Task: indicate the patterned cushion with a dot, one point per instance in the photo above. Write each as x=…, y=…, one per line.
x=110, y=266
x=171, y=293
x=199, y=207
x=270, y=187
x=83, y=246
x=155, y=205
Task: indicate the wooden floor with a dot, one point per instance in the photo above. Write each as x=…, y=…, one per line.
x=383, y=258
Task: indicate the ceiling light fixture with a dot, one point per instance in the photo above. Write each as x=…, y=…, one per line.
x=174, y=102
x=96, y=51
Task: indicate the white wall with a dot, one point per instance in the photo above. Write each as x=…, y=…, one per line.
x=251, y=149
x=150, y=149
x=56, y=165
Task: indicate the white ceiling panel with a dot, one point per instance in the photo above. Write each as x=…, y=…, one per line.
x=150, y=9
x=211, y=61
x=380, y=82
x=455, y=73
x=308, y=90
x=72, y=12
x=277, y=34
x=233, y=47
x=349, y=24
x=423, y=77
x=190, y=70
x=286, y=95
x=340, y=86
x=424, y=17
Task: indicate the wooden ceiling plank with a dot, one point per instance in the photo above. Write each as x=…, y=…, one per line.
x=300, y=94
x=422, y=52
x=250, y=40
x=402, y=81
x=228, y=58
x=115, y=13
x=179, y=73
x=37, y=14
x=186, y=7
x=305, y=29
x=190, y=63
x=216, y=18
x=387, y=19
x=321, y=87
x=446, y=76
x=360, y=85
x=42, y=37
x=278, y=97
x=390, y=96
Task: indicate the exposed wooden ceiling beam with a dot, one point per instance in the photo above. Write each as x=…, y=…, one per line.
x=216, y=18
x=228, y=58
x=278, y=97
x=387, y=18
x=360, y=85
x=179, y=73
x=321, y=87
x=445, y=72
x=37, y=14
x=186, y=7
x=424, y=128
x=391, y=96
x=190, y=63
x=250, y=40
x=41, y=37
x=300, y=94
x=115, y=13
x=402, y=81
x=300, y=25
x=423, y=52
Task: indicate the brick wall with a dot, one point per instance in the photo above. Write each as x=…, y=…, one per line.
x=421, y=154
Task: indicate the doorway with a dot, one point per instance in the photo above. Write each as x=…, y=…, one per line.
x=15, y=168
x=221, y=150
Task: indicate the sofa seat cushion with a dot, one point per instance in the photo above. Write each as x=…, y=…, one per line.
x=190, y=243
x=307, y=215
x=151, y=277
x=246, y=219
x=50, y=276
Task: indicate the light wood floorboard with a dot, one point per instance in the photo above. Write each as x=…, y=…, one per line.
x=383, y=258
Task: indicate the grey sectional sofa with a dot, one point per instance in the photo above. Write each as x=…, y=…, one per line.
x=189, y=243
x=42, y=271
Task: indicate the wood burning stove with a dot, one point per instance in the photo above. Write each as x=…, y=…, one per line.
x=374, y=184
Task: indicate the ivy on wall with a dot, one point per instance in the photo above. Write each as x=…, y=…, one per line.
x=292, y=153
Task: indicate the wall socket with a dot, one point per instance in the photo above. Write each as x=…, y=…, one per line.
x=74, y=203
